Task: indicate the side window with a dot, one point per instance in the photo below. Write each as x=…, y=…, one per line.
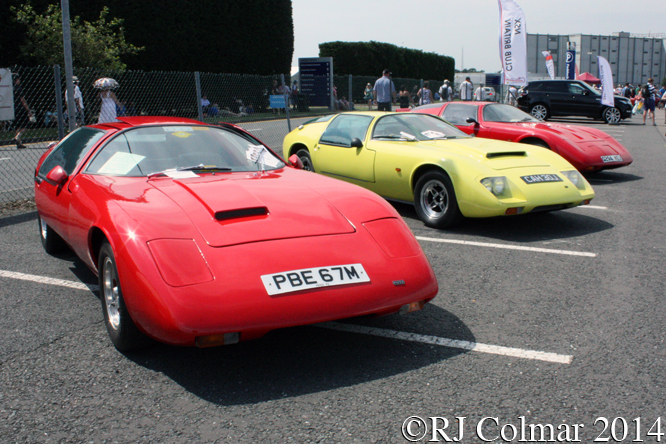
x=553, y=87
x=458, y=114
x=576, y=89
x=71, y=150
x=344, y=128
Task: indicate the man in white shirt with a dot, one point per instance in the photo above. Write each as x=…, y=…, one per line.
x=466, y=90
x=480, y=94
x=78, y=100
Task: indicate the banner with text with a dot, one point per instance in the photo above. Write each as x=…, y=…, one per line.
x=549, y=63
x=6, y=95
x=571, y=62
x=606, y=77
x=513, y=43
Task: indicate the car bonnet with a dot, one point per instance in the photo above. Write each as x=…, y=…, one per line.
x=227, y=210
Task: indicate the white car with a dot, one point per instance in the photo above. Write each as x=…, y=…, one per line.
x=490, y=94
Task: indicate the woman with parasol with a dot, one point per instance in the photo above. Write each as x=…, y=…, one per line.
x=108, y=112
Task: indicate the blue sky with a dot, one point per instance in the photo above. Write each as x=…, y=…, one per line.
x=467, y=31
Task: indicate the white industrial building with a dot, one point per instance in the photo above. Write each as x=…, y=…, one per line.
x=633, y=58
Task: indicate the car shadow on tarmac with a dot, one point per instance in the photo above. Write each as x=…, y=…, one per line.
x=609, y=177
x=304, y=360
x=527, y=228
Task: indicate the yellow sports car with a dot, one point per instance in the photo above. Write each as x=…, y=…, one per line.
x=446, y=174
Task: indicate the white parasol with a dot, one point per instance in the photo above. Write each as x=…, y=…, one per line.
x=105, y=83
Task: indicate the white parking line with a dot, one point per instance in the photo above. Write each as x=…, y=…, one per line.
x=48, y=280
x=592, y=207
x=508, y=247
x=413, y=337
x=454, y=343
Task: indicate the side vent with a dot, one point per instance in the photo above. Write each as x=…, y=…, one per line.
x=506, y=154
x=244, y=212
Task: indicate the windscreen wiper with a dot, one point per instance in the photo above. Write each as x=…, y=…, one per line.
x=202, y=167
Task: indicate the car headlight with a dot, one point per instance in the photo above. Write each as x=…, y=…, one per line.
x=495, y=185
x=575, y=177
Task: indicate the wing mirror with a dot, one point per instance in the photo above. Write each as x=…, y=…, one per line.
x=471, y=120
x=356, y=143
x=296, y=162
x=57, y=176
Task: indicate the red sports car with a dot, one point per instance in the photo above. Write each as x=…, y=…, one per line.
x=587, y=149
x=202, y=235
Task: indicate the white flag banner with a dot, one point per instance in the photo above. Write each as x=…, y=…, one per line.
x=6, y=95
x=513, y=43
x=606, y=77
x=549, y=64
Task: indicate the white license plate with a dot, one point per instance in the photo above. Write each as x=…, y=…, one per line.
x=614, y=158
x=307, y=278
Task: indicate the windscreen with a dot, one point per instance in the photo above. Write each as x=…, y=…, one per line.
x=149, y=150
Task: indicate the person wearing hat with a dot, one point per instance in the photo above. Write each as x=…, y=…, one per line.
x=368, y=97
x=78, y=100
x=445, y=92
x=384, y=91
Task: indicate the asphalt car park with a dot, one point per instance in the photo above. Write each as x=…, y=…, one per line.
x=583, y=286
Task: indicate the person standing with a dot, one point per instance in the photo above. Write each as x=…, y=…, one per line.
x=425, y=95
x=445, y=92
x=384, y=91
x=626, y=91
x=78, y=100
x=22, y=114
x=108, y=111
x=480, y=94
x=404, y=98
x=649, y=92
x=466, y=90
x=512, y=96
x=367, y=95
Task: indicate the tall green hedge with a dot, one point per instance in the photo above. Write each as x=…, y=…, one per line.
x=230, y=36
x=371, y=58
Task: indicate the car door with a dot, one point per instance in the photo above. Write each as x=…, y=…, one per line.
x=335, y=156
x=54, y=200
x=556, y=96
x=583, y=100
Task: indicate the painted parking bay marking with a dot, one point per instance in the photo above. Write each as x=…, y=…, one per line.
x=48, y=280
x=453, y=343
x=508, y=247
x=413, y=337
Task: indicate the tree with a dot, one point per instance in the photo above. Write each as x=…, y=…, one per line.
x=94, y=45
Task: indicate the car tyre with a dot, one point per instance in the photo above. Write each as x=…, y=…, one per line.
x=539, y=111
x=435, y=200
x=124, y=334
x=612, y=115
x=51, y=241
x=304, y=155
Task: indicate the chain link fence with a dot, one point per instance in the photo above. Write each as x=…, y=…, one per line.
x=212, y=98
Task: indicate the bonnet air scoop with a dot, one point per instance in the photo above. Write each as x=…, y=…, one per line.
x=241, y=213
x=506, y=154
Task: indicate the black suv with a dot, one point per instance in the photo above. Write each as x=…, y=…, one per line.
x=547, y=98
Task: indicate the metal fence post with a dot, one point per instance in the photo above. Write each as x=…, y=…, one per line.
x=350, y=98
x=197, y=81
x=58, y=97
x=286, y=102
